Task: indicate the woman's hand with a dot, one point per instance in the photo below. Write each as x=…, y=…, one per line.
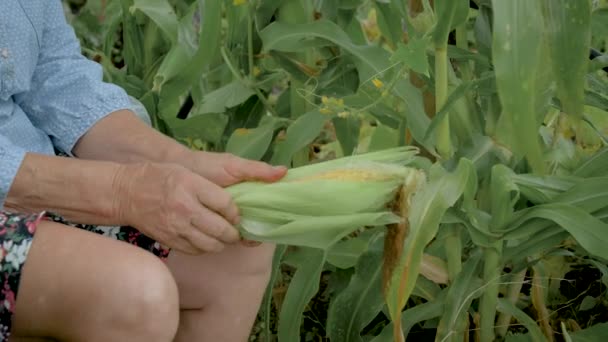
x=225, y=169
x=177, y=207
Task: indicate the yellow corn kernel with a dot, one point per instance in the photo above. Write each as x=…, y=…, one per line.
x=358, y=175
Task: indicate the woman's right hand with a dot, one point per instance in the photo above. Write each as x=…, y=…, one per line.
x=176, y=207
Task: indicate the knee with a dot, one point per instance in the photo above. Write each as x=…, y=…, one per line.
x=257, y=261
x=148, y=301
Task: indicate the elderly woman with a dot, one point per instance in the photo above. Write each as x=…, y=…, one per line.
x=109, y=230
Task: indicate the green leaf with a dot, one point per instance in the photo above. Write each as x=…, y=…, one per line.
x=543, y=189
x=417, y=120
x=370, y=60
x=569, y=32
x=189, y=71
x=251, y=143
x=358, y=304
x=516, y=52
x=268, y=295
x=208, y=127
x=347, y=132
x=589, y=232
x=228, y=96
x=413, y=55
x=507, y=307
x=303, y=286
x=345, y=254
x=598, y=22
x=427, y=209
x=449, y=14
x=161, y=13
x=596, y=165
x=456, y=95
x=597, y=332
x=413, y=316
x=588, y=303
x=299, y=134
x=382, y=138
x=389, y=16
x=461, y=294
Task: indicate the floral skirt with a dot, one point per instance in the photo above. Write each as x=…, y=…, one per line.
x=16, y=235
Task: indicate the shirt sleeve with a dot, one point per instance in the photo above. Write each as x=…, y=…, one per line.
x=11, y=157
x=67, y=95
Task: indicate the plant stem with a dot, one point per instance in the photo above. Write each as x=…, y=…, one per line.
x=453, y=251
x=504, y=319
x=462, y=42
x=250, y=40
x=489, y=298
x=444, y=141
x=398, y=332
x=248, y=84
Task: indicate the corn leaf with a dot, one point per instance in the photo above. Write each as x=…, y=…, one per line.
x=507, y=307
x=177, y=82
x=568, y=25
x=390, y=16
x=596, y=165
x=358, y=304
x=461, y=293
x=589, y=232
x=449, y=14
x=228, y=96
x=516, y=51
x=161, y=13
x=413, y=316
x=303, y=286
x=345, y=254
x=427, y=209
x=545, y=240
x=268, y=294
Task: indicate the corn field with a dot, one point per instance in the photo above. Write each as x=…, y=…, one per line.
x=479, y=211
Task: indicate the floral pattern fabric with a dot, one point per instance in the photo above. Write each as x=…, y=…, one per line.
x=16, y=235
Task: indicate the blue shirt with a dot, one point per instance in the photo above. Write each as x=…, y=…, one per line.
x=50, y=94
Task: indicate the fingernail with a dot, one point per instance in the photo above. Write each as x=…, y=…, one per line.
x=279, y=168
x=249, y=243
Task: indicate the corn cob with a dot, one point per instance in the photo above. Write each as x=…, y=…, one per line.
x=319, y=204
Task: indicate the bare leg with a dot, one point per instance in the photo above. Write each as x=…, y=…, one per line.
x=77, y=286
x=220, y=294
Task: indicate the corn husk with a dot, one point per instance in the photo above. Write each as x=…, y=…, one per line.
x=319, y=204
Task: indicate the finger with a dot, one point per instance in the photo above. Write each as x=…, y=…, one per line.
x=250, y=243
x=250, y=170
x=213, y=225
x=218, y=200
x=202, y=242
